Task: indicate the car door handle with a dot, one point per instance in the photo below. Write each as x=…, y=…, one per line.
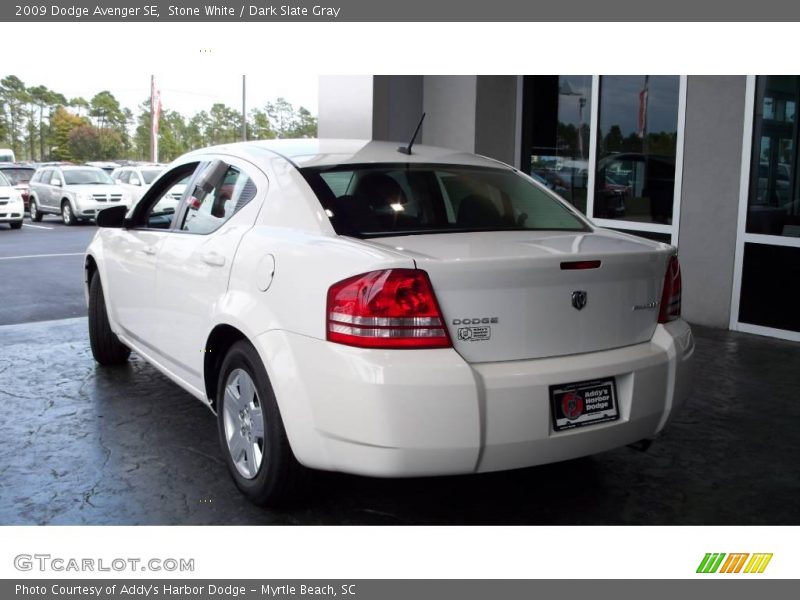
x=213, y=259
x=149, y=250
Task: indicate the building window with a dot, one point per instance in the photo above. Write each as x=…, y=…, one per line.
x=773, y=206
x=768, y=244
x=556, y=125
x=637, y=138
x=768, y=273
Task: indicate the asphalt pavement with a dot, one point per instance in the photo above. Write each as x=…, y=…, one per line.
x=41, y=270
x=83, y=444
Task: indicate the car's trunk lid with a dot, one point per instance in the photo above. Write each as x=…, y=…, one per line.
x=506, y=295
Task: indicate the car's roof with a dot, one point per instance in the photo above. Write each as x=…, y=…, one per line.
x=330, y=152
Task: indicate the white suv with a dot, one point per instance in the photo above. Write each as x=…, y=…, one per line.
x=344, y=306
x=12, y=207
x=76, y=193
x=136, y=180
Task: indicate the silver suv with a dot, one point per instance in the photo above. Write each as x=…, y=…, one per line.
x=76, y=193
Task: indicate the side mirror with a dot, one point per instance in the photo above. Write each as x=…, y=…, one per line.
x=112, y=217
x=135, y=181
x=55, y=181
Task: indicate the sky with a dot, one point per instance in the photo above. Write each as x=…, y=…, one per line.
x=180, y=91
x=620, y=104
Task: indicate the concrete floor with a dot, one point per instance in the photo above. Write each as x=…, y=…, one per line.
x=86, y=445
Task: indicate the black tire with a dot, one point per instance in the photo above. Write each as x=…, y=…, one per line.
x=36, y=215
x=67, y=216
x=106, y=347
x=280, y=478
x=16, y=225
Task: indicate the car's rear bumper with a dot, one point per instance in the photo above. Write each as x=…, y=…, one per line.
x=404, y=413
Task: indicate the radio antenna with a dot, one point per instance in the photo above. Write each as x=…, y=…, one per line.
x=407, y=149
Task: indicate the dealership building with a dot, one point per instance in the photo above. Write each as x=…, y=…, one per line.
x=707, y=163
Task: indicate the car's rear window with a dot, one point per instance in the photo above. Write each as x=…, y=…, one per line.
x=16, y=176
x=403, y=199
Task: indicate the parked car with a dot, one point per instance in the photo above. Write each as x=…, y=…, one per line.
x=343, y=306
x=11, y=206
x=19, y=175
x=76, y=193
x=7, y=155
x=136, y=180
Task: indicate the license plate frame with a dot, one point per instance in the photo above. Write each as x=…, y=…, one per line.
x=583, y=403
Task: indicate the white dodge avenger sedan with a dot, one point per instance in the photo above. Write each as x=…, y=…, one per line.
x=346, y=306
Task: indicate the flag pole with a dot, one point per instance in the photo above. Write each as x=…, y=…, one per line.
x=244, y=110
x=155, y=110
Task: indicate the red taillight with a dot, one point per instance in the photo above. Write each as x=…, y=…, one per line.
x=671, y=296
x=395, y=308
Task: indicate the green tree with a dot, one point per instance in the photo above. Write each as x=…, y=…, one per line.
x=84, y=143
x=63, y=123
x=111, y=143
x=304, y=124
x=141, y=135
x=106, y=110
x=13, y=96
x=79, y=104
x=44, y=100
x=171, y=135
x=30, y=121
x=259, y=127
x=281, y=115
x=3, y=124
x=197, y=130
x=225, y=124
x=108, y=113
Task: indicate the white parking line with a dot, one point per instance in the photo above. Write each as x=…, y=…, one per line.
x=37, y=226
x=40, y=255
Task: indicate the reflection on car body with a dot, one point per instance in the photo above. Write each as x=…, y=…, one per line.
x=635, y=186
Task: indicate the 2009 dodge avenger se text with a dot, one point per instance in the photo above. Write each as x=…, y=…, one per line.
x=345, y=306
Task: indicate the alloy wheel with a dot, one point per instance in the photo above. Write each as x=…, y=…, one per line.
x=244, y=423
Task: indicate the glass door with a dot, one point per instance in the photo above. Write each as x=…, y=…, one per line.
x=767, y=264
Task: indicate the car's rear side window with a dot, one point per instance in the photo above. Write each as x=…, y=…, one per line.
x=399, y=199
x=207, y=214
